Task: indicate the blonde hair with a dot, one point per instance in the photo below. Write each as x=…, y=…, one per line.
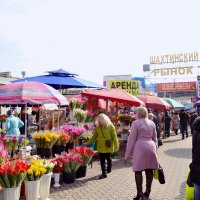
x=142, y=113
x=150, y=116
x=103, y=120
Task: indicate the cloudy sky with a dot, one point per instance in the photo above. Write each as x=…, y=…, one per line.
x=94, y=37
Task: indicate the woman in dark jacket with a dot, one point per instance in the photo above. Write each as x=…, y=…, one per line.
x=195, y=165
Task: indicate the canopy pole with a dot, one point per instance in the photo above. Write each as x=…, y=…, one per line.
x=106, y=106
x=25, y=127
x=117, y=110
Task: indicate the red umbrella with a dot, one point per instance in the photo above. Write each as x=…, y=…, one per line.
x=30, y=93
x=154, y=102
x=117, y=94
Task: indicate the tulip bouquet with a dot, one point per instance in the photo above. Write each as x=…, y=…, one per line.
x=63, y=138
x=36, y=170
x=85, y=153
x=80, y=115
x=71, y=162
x=48, y=165
x=73, y=103
x=58, y=165
x=90, y=117
x=3, y=118
x=3, y=153
x=12, y=174
x=45, y=139
x=73, y=131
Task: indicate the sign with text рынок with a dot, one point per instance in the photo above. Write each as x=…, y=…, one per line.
x=131, y=86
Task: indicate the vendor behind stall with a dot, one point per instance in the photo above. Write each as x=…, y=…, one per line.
x=13, y=123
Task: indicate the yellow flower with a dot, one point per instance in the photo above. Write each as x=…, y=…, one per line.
x=30, y=171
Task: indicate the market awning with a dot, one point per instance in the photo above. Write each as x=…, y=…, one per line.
x=117, y=94
x=154, y=102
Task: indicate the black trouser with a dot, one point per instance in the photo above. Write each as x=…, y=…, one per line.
x=184, y=130
x=103, y=157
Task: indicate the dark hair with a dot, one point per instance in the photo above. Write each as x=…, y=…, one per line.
x=33, y=112
x=9, y=112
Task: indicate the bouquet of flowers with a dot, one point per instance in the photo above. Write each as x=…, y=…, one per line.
x=63, y=138
x=45, y=139
x=85, y=153
x=124, y=118
x=3, y=118
x=71, y=162
x=58, y=165
x=12, y=174
x=73, y=103
x=48, y=165
x=36, y=170
x=3, y=153
x=80, y=115
x=90, y=117
x=73, y=131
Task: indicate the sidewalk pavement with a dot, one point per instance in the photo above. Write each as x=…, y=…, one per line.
x=174, y=156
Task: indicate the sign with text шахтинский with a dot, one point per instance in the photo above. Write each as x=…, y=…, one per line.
x=131, y=86
x=173, y=58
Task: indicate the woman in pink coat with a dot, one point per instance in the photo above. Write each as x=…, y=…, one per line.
x=142, y=145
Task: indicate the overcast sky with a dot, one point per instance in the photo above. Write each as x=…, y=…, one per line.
x=94, y=37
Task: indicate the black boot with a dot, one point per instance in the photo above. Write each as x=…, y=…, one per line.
x=149, y=179
x=139, y=181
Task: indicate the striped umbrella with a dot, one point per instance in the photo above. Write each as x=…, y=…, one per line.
x=30, y=93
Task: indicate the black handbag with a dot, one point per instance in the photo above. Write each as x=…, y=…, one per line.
x=108, y=142
x=161, y=175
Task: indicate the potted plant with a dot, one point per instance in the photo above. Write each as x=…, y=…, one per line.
x=44, y=142
x=11, y=176
x=80, y=116
x=61, y=142
x=71, y=162
x=57, y=169
x=32, y=180
x=45, y=180
x=86, y=155
x=74, y=133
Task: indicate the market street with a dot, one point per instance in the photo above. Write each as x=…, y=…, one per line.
x=174, y=157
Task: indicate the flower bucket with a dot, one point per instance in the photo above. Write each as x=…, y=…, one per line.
x=11, y=193
x=57, y=149
x=81, y=124
x=81, y=171
x=69, y=177
x=69, y=145
x=56, y=179
x=32, y=190
x=44, y=153
x=71, y=115
x=45, y=183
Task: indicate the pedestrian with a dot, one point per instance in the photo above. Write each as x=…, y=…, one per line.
x=175, y=122
x=13, y=123
x=167, y=121
x=184, y=119
x=142, y=145
x=103, y=131
x=193, y=116
x=195, y=165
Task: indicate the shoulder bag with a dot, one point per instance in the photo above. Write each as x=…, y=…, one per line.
x=108, y=142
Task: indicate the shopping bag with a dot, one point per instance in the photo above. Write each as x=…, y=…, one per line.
x=189, y=190
x=159, y=175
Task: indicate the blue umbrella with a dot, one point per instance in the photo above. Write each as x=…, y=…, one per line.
x=61, y=79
